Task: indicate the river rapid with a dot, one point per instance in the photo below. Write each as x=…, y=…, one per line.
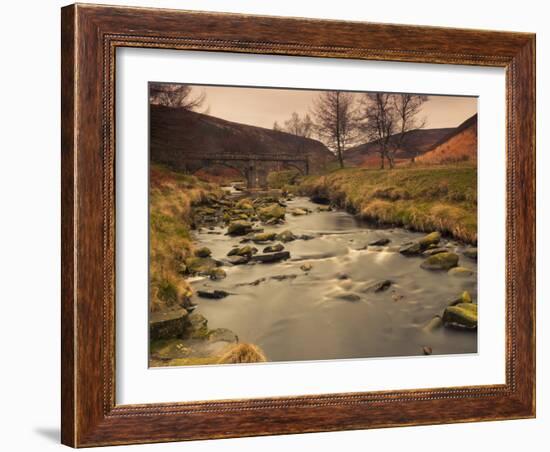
x=298, y=315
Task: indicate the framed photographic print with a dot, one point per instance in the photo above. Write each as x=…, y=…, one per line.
x=278, y=225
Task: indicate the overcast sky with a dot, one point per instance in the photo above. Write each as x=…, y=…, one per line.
x=262, y=107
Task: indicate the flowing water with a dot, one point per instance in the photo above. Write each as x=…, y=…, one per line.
x=302, y=318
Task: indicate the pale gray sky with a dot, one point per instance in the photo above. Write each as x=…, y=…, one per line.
x=262, y=106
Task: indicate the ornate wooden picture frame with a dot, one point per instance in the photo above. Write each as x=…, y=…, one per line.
x=90, y=37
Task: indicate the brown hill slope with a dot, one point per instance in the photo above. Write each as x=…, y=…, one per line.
x=416, y=142
x=178, y=138
x=458, y=146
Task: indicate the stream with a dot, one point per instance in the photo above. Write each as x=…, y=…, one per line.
x=301, y=317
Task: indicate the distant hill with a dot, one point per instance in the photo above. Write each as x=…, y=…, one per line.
x=179, y=137
x=459, y=145
x=416, y=142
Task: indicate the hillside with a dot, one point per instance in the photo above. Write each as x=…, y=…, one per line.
x=179, y=138
x=458, y=146
x=416, y=142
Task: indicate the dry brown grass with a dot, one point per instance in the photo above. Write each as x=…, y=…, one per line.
x=243, y=353
x=171, y=196
x=442, y=198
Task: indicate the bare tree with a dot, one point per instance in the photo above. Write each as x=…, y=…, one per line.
x=296, y=125
x=378, y=121
x=277, y=127
x=175, y=95
x=334, y=113
x=387, y=118
x=407, y=108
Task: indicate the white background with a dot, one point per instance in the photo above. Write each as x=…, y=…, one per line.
x=137, y=384
x=29, y=256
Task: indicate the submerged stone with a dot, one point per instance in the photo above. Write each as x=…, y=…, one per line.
x=380, y=242
x=348, y=296
x=213, y=295
x=379, y=286
x=461, y=272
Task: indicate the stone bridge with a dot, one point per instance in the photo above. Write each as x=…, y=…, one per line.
x=253, y=167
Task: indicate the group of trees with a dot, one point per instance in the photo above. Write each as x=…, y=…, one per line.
x=343, y=119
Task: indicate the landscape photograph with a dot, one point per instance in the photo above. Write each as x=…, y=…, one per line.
x=305, y=225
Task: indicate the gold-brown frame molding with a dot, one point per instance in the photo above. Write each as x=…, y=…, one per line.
x=90, y=36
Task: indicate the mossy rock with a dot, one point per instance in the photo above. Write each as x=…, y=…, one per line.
x=286, y=236
x=244, y=204
x=203, y=252
x=264, y=237
x=461, y=316
x=461, y=272
x=238, y=260
x=466, y=297
x=246, y=250
x=239, y=227
x=217, y=273
x=410, y=249
x=274, y=248
x=430, y=239
x=431, y=251
x=441, y=261
x=200, y=265
x=471, y=253
x=271, y=212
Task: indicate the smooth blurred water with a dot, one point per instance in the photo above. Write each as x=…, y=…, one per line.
x=300, y=318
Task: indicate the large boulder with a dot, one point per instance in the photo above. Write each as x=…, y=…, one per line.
x=239, y=227
x=168, y=324
x=461, y=316
x=441, y=261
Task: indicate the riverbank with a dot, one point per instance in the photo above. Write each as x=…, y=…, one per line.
x=442, y=198
x=172, y=196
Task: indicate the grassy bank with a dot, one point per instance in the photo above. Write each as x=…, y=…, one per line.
x=442, y=198
x=171, y=197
